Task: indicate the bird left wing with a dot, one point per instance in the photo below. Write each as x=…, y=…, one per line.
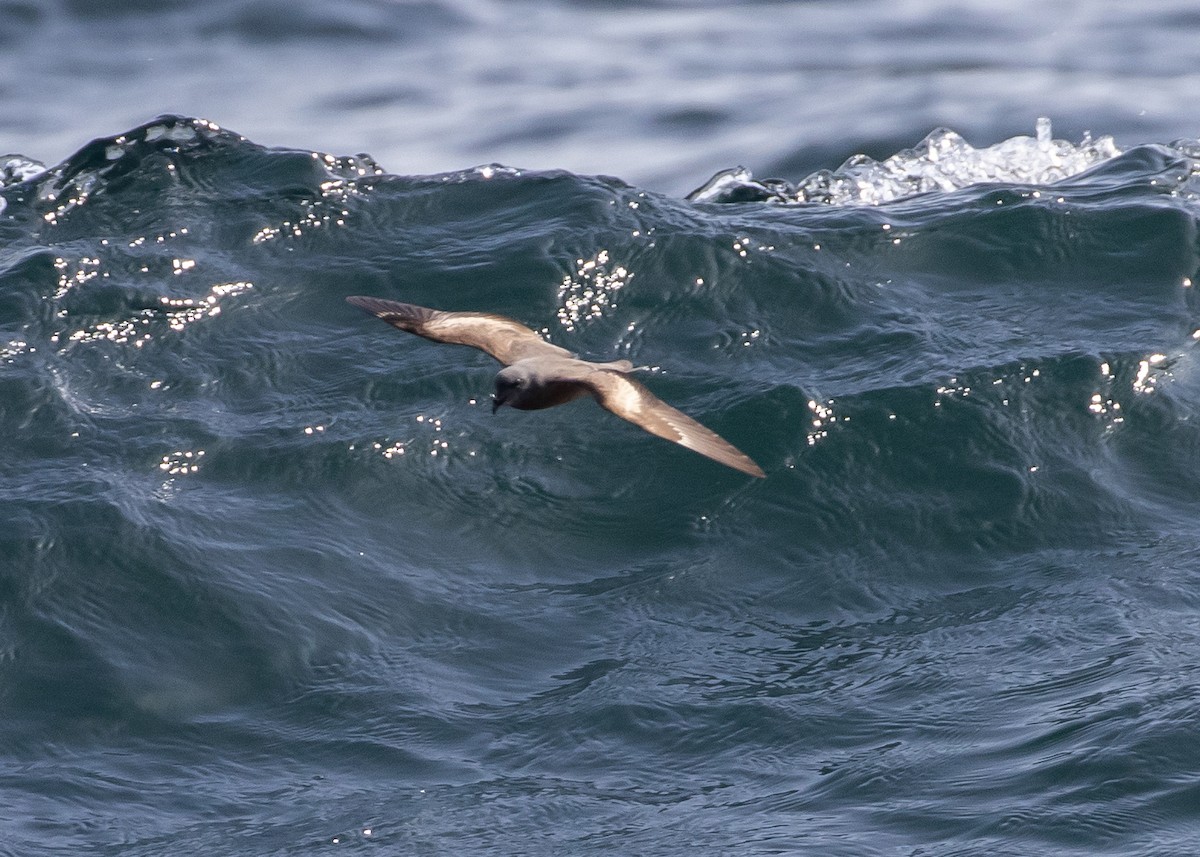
x=503, y=338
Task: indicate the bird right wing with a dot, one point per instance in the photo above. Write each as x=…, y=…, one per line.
x=503, y=338
x=630, y=400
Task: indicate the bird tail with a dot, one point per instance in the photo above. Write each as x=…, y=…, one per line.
x=622, y=366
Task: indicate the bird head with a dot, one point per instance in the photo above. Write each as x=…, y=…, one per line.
x=509, y=383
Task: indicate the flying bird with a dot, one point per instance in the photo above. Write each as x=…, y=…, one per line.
x=538, y=374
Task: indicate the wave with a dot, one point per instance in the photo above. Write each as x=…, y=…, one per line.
x=175, y=294
x=249, y=532
x=942, y=162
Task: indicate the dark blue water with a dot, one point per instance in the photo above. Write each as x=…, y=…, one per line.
x=274, y=580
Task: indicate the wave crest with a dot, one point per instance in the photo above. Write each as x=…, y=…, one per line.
x=943, y=161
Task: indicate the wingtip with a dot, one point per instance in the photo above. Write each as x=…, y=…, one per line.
x=402, y=315
x=747, y=465
x=363, y=302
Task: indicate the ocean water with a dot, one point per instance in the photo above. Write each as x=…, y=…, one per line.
x=660, y=93
x=274, y=579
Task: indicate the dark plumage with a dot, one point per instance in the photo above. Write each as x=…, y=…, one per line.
x=539, y=375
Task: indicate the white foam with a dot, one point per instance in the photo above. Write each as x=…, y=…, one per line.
x=943, y=161
x=15, y=169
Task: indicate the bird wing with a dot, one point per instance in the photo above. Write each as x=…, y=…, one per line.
x=503, y=338
x=628, y=399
